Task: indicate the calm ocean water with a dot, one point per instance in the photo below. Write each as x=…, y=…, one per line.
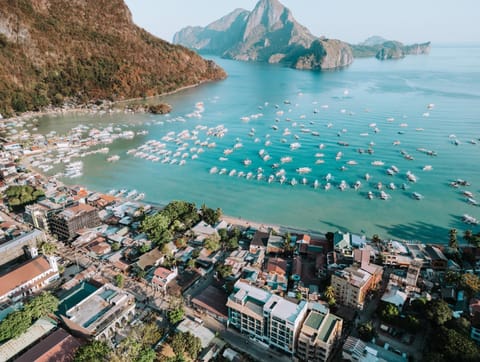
x=382, y=105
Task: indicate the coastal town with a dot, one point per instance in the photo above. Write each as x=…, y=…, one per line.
x=90, y=276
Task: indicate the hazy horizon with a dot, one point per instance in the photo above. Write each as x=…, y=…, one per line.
x=408, y=21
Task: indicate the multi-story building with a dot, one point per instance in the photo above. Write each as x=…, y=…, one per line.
x=16, y=248
x=38, y=214
x=66, y=223
x=352, y=284
x=266, y=317
x=320, y=333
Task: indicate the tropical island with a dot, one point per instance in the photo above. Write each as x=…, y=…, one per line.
x=269, y=33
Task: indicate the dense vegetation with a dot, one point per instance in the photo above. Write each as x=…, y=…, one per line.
x=92, y=51
x=19, y=196
x=176, y=217
x=19, y=321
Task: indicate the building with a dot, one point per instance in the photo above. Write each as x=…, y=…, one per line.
x=212, y=301
x=352, y=284
x=265, y=317
x=163, y=276
x=320, y=333
x=16, y=248
x=96, y=311
x=66, y=223
x=39, y=213
x=28, y=278
x=57, y=346
x=356, y=350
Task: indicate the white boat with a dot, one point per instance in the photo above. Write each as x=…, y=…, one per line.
x=282, y=179
x=395, y=169
x=132, y=194
x=247, y=162
x=327, y=186
x=390, y=172
x=378, y=163
x=384, y=195
x=319, y=161
x=411, y=177
x=223, y=159
x=417, y=196
x=427, y=168
x=223, y=171
x=249, y=175
x=303, y=170
x=391, y=186
x=469, y=219
x=370, y=195
x=472, y=201
x=285, y=159
x=140, y=196
x=339, y=156
x=352, y=162
x=468, y=194
x=304, y=181
x=343, y=185
x=295, y=145
x=379, y=186
x=232, y=172
x=315, y=184
x=293, y=182
x=271, y=178
x=367, y=176
x=328, y=177
x=357, y=185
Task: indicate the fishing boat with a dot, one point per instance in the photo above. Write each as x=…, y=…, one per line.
x=357, y=185
x=315, y=184
x=417, y=196
x=384, y=195
x=327, y=186
x=303, y=170
x=370, y=195
x=293, y=182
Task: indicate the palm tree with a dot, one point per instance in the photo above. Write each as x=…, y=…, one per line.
x=467, y=235
x=329, y=292
x=453, y=242
x=376, y=239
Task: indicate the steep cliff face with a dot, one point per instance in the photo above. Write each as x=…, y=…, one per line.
x=53, y=50
x=269, y=33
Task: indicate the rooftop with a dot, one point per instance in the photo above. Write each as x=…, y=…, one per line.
x=74, y=211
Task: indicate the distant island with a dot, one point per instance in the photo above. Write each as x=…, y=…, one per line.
x=270, y=33
x=93, y=51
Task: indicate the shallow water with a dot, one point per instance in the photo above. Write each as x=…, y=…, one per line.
x=368, y=92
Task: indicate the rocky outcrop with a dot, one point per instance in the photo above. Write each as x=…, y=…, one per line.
x=384, y=49
x=269, y=33
x=82, y=50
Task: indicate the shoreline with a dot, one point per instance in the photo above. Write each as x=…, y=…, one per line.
x=84, y=108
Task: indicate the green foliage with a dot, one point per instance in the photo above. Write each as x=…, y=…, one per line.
x=438, y=312
x=48, y=248
x=19, y=196
x=454, y=346
x=92, y=352
x=116, y=246
x=329, y=295
x=389, y=312
x=453, y=242
x=19, y=321
x=176, y=315
x=224, y=270
x=41, y=305
x=212, y=243
x=209, y=215
x=119, y=280
x=144, y=248
x=471, y=283
x=14, y=325
x=366, y=331
x=185, y=342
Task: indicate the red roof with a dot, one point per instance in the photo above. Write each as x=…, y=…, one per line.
x=162, y=272
x=277, y=266
x=23, y=274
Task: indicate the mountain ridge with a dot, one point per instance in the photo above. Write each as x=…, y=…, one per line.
x=268, y=33
x=92, y=51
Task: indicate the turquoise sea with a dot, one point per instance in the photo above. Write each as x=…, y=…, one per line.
x=424, y=102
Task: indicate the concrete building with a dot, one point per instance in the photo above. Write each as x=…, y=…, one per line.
x=163, y=276
x=352, y=284
x=39, y=213
x=265, y=317
x=97, y=312
x=28, y=278
x=320, y=333
x=16, y=248
x=66, y=223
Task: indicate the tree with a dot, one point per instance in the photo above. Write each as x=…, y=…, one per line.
x=19, y=196
x=389, y=312
x=92, y=352
x=471, y=283
x=376, y=239
x=48, y=248
x=41, y=305
x=468, y=236
x=212, y=243
x=119, y=280
x=232, y=243
x=452, y=278
x=209, y=215
x=366, y=331
x=182, y=342
x=116, y=246
x=453, y=243
x=144, y=248
x=14, y=325
x=329, y=295
x=156, y=228
x=438, y=312
x=176, y=315
x=455, y=346
x=224, y=270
